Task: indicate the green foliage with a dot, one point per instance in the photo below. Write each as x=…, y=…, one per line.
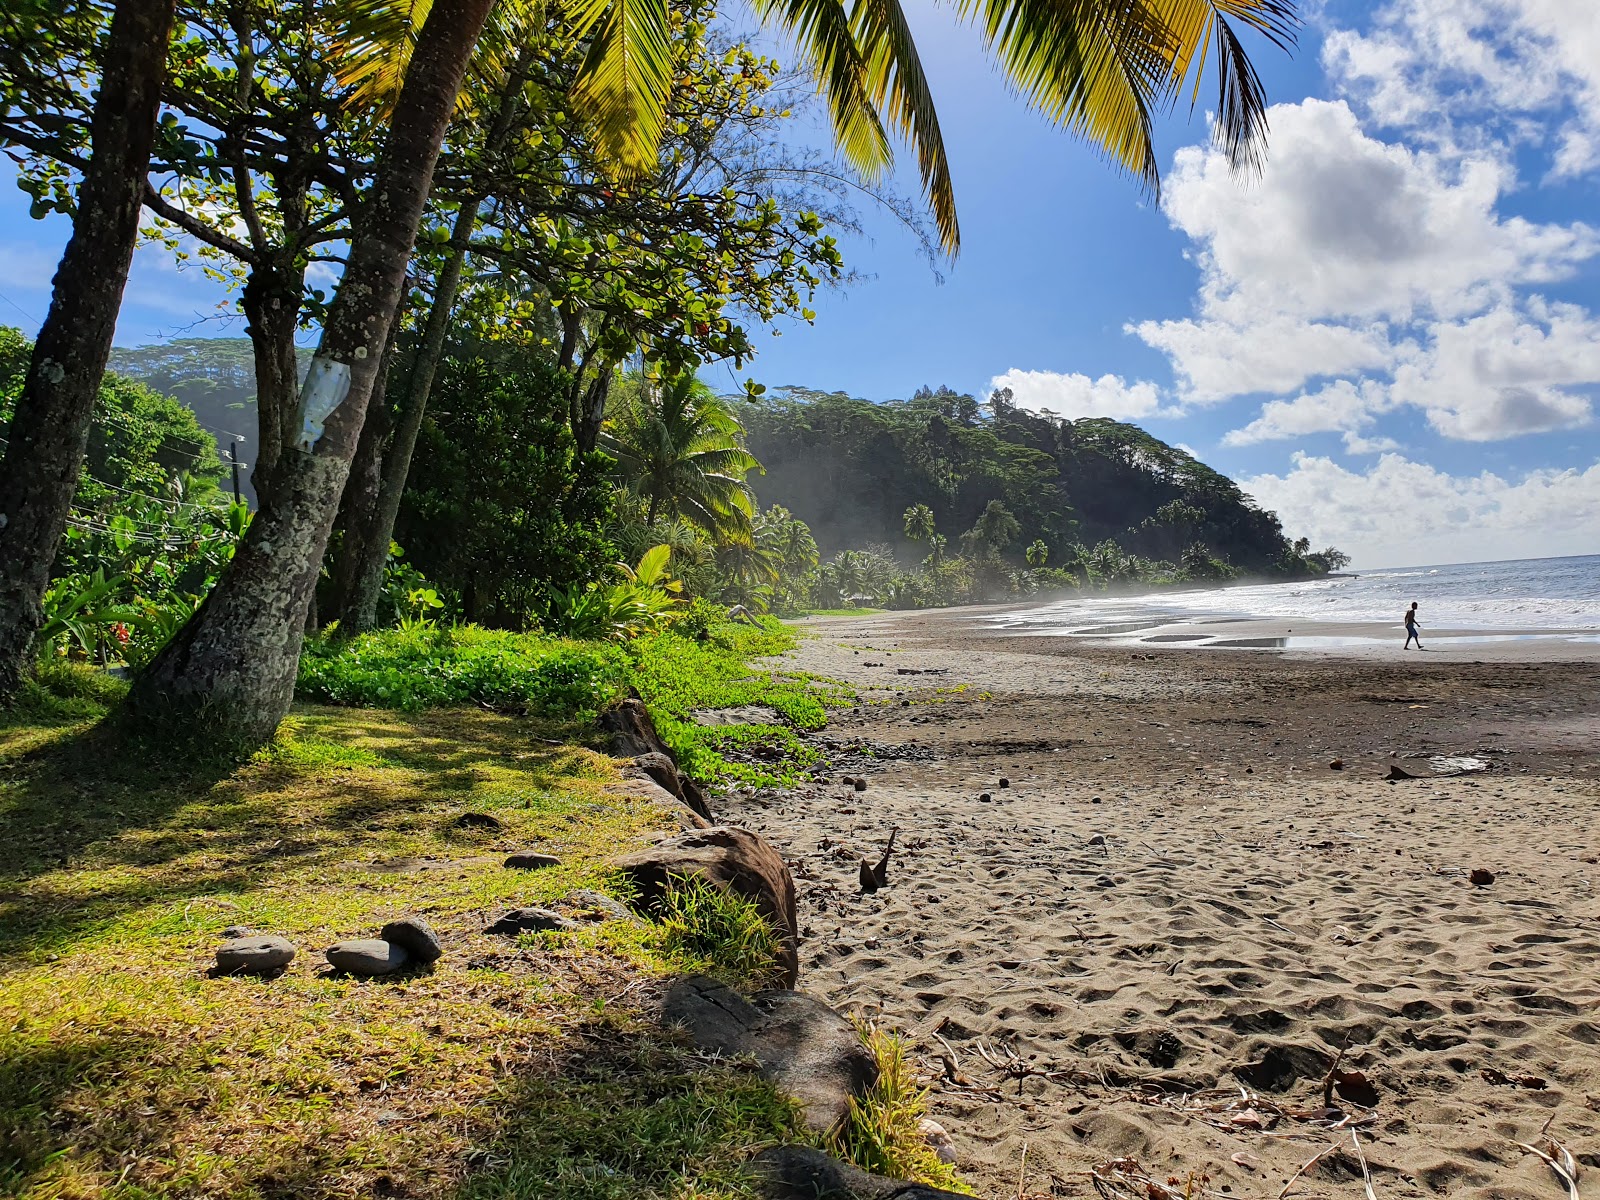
x=679, y=450
x=503, y=512
x=880, y=1133
x=65, y=691
x=642, y=603
x=413, y=669
x=720, y=932
x=677, y=675
x=923, y=472
x=149, y=531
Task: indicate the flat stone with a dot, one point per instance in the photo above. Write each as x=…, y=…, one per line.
x=254, y=954
x=801, y=1173
x=368, y=956
x=802, y=1046
x=237, y=931
x=531, y=920
x=416, y=937
x=596, y=906
x=528, y=860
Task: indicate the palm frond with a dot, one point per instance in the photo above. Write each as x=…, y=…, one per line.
x=1099, y=69
x=1241, y=128
x=626, y=77
x=897, y=86
x=372, y=47
x=822, y=33
x=373, y=41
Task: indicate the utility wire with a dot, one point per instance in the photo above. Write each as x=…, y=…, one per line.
x=95, y=479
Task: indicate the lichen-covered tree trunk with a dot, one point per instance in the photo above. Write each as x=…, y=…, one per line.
x=229, y=673
x=271, y=303
x=50, y=430
x=363, y=556
x=358, y=507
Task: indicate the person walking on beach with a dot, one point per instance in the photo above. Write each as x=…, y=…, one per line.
x=1411, y=627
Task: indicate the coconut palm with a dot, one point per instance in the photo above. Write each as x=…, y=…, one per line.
x=1101, y=69
x=681, y=452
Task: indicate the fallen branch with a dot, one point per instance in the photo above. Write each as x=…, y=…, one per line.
x=1565, y=1167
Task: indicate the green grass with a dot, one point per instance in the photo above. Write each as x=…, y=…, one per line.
x=722, y=931
x=881, y=1134
x=676, y=676
x=126, y=1072
x=423, y=668
x=509, y=1069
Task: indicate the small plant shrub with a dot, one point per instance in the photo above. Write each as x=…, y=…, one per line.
x=417, y=668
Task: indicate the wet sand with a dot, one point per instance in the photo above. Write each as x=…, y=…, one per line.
x=1152, y=946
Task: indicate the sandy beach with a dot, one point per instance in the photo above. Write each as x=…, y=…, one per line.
x=1144, y=897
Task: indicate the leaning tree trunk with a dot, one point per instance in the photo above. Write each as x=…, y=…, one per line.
x=359, y=504
x=362, y=557
x=229, y=673
x=50, y=430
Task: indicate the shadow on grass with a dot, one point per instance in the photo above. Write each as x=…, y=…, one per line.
x=96, y=822
x=622, y=1115
x=600, y=1112
x=34, y=1086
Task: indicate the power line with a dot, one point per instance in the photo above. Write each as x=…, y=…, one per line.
x=19, y=308
x=95, y=479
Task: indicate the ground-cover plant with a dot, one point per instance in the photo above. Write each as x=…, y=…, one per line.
x=881, y=1132
x=419, y=667
x=505, y=1069
x=678, y=676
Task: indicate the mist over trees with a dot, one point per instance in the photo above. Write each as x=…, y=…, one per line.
x=850, y=469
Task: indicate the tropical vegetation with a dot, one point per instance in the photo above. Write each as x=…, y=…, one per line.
x=475, y=492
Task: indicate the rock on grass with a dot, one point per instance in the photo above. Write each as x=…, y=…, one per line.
x=368, y=956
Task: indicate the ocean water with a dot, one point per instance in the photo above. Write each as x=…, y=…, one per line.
x=1527, y=594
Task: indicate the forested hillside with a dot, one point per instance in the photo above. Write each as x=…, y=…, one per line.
x=850, y=469
x=215, y=377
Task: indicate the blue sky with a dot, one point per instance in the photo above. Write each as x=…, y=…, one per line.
x=1392, y=338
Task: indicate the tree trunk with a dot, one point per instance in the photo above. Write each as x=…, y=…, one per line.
x=358, y=508
x=271, y=303
x=229, y=674
x=362, y=558
x=592, y=409
x=50, y=430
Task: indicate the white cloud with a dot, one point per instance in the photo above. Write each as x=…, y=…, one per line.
x=1356, y=443
x=1075, y=396
x=1343, y=226
x=1505, y=373
x=1341, y=407
x=1215, y=359
x=1400, y=511
x=1471, y=70
x=1387, y=273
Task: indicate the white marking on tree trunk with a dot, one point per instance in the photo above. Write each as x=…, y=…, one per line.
x=327, y=384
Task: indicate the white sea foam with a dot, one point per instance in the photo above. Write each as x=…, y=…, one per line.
x=1555, y=593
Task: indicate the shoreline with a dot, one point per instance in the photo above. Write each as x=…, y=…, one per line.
x=1156, y=631
x=1176, y=893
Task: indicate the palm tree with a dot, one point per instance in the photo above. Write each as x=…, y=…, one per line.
x=681, y=453
x=230, y=671
x=1102, y=69
x=750, y=569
